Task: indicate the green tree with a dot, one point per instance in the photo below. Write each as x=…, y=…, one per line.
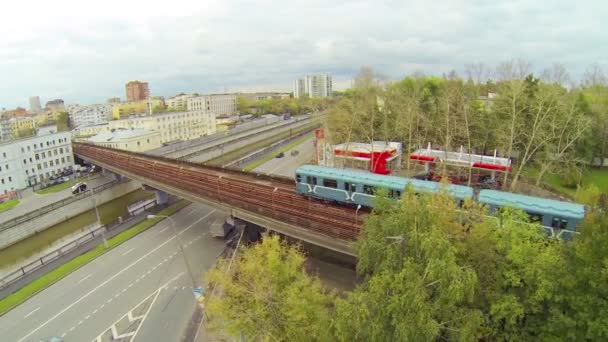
x=265, y=294
x=62, y=121
x=24, y=132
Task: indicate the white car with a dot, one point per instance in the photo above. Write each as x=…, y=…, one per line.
x=79, y=187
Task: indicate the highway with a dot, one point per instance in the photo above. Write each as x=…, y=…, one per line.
x=141, y=287
x=287, y=165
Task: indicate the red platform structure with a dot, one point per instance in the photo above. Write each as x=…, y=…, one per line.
x=379, y=157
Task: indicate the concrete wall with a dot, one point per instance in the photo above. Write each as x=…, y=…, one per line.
x=43, y=222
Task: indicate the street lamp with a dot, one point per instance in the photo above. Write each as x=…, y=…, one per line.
x=181, y=248
x=103, y=231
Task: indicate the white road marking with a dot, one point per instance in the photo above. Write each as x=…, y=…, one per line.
x=162, y=230
x=102, y=305
x=79, y=323
x=87, y=317
x=63, y=335
x=130, y=285
x=127, y=252
x=110, y=279
x=124, y=290
x=31, y=313
x=116, y=295
x=72, y=329
x=85, y=278
x=110, y=300
x=94, y=312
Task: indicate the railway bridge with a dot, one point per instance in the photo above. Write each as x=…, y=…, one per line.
x=267, y=201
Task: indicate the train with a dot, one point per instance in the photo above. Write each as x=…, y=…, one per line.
x=358, y=187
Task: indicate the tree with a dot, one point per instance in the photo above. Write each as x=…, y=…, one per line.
x=243, y=105
x=24, y=132
x=265, y=295
x=62, y=121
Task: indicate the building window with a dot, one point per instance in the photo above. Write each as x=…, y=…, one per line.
x=43, y=155
x=33, y=170
x=45, y=164
x=3, y=182
x=35, y=146
x=39, y=167
x=50, y=163
x=24, y=161
x=6, y=166
x=69, y=159
x=37, y=156
x=31, y=161
x=4, y=154
x=63, y=159
x=22, y=150
x=138, y=143
x=61, y=150
x=10, y=179
x=28, y=148
x=27, y=172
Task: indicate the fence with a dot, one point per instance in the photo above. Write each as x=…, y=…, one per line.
x=35, y=265
x=46, y=209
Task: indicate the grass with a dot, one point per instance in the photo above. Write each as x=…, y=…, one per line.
x=6, y=205
x=592, y=176
x=62, y=271
x=283, y=149
x=55, y=188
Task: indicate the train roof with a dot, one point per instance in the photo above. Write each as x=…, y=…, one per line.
x=382, y=181
x=532, y=204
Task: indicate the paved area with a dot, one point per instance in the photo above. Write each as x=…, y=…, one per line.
x=287, y=165
x=143, y=283
x=33, y=201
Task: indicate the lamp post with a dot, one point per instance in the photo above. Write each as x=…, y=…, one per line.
x=103, y=231
x=181, y=248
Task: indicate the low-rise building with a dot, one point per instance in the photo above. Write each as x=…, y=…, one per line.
x=265, y=96
x=18, y=112
x=179, y=101
x=124, y=110
x=88, y=131
x=172, y=126
x=5, y=130
x=136, y=140
x=28, y=161
x=218, y=104
x=21, y=127
x=88, y=115
x=113, y=100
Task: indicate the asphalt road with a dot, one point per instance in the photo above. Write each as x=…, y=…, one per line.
x=287, y=165
x=141, y=287
x=34, y=201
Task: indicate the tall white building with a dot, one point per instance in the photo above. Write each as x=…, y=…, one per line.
x=218, y=104
x=35, y=106
x=88, y=115
x=25, y=162
x=314, y=86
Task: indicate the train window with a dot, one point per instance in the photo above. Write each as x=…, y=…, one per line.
x=535, y=218
x=368, y=189
x=298, y=178
x=395, y=194
x=311, y=180
x=330, y=183
x=559, y=223
x=350, y=187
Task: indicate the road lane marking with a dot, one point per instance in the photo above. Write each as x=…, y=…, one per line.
x=79, y=323
x=85, y=278
x=72, y=329
x=163, y=230
x=94, y=312
x=31, y=313
x=87, y=317
x=63, y=335
x=111, y=278
x=127, y=252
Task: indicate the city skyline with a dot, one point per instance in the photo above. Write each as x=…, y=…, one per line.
x=85, y=54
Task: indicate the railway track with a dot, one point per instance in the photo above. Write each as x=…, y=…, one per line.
x=266, y=195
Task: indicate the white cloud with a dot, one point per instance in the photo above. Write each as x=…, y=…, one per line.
x=85, y=51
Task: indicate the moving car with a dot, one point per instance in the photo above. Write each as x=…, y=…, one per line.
x=280, y=155
x=79, y=187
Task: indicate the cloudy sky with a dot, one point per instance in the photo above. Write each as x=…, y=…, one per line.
x=85, y=51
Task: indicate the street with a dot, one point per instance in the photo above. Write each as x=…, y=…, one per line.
x=287, y=165
x=33, y=201
x=140, y=288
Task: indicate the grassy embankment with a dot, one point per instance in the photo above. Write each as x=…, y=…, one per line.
x=6, y=205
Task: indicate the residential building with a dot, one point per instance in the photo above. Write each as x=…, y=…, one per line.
x=172, y=126
x=264, y=96
x=25, y=162
x=299, y=88
x=88, y=115
x=21, y=127
x=218, y=104
x=18, y=112
x=124, y=110
x=5, y=130
x=56, y=105
x=137, y=91
x=113, y=100
x=88, y=131
x=179, y=101
x=35, y=106
x=40, y=119
x=314, y=86
x=136, y=140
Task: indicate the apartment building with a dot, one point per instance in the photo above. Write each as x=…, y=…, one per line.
x=218, y=104
x=172, y=126
x=314, y=86
x=179, y=101
x=136, y=140
x=137, y=91
x=35, y=106
x=124, y=110
x=87, y=115
x=264, y=96
x=21, y=126
x=28, y=161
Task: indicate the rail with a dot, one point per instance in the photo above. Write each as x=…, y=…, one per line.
x=262, y=195
x=35, y=265
x=48, y=208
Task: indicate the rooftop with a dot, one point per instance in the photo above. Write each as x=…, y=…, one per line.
x=120, y=134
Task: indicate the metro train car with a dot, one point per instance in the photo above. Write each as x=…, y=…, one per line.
x=358, y=187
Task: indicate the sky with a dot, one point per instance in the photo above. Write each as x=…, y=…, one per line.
x=84, y=52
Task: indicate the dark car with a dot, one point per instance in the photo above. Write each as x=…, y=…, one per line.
x=280, y=155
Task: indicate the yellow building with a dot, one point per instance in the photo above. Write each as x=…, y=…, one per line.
x=136, y=140
x=21, y=127
x=123, y=110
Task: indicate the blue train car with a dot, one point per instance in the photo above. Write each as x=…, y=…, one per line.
x=359, y=187
x=558, y=215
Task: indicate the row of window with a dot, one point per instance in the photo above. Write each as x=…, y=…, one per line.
x=48, y=143
x=350, y=187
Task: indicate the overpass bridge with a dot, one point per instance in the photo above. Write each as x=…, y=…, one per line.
x=267, y=201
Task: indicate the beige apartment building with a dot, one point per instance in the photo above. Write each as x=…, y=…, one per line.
x=172, y=126
x=136, y=140
x=218, y=104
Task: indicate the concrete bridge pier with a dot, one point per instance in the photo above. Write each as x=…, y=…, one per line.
x=161, y=196
x=113, y=175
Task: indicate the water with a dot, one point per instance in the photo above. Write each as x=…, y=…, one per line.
x=40, y=244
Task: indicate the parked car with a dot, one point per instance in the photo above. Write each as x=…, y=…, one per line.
x=79, y=187
x=280, y=155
